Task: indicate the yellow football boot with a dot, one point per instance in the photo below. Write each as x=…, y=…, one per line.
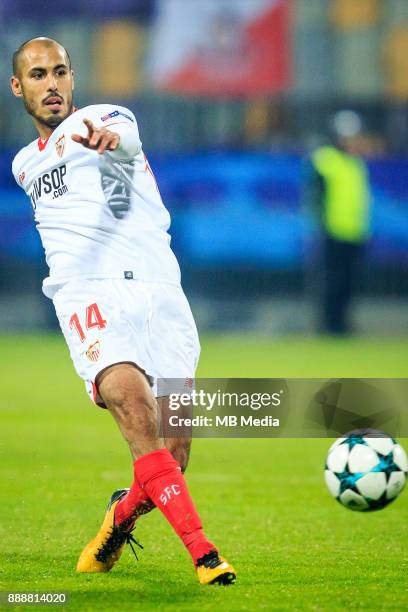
x=101, y=553
x=213, y=569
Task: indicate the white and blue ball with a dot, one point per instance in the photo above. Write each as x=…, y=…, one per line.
x=366, y=470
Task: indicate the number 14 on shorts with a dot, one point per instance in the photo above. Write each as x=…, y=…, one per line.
x=93, y=318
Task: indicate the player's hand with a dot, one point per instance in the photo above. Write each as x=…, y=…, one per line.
x=98, y=139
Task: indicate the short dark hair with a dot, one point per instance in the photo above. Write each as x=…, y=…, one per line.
x=18, y=52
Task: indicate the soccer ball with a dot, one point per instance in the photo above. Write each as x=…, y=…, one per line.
x=366, y=470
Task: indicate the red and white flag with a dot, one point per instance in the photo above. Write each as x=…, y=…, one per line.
x=221, y=47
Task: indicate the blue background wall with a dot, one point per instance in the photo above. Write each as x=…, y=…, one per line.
x=236, y=210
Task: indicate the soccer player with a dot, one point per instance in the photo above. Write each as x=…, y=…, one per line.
x=115, y=285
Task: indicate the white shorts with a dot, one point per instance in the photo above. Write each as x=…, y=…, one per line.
x=107, y=321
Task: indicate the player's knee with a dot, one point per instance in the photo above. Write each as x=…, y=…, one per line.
x=136, y=415
x=132, y=404
x=125, y=391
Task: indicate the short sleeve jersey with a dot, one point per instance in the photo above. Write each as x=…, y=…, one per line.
x=98, y=216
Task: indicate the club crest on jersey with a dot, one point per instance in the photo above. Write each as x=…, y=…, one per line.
x=60, y=145
x=21, y=178
x=94, y=351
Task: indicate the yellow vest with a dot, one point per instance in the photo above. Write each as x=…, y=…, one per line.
x=347, y=194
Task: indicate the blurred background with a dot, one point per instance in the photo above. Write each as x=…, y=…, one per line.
x=232, y=97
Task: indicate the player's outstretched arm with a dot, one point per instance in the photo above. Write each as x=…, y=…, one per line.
x=98, y=139
x=124, y=142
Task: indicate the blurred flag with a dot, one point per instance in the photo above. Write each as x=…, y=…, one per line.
x=221, y=47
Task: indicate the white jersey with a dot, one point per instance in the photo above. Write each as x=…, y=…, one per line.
x=98, y=217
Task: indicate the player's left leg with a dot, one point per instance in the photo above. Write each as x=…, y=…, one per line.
x=129, y=398
x=127, y=395
x=135, y=503
x=130, y=504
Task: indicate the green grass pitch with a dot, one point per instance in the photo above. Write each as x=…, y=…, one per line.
x=262, y=501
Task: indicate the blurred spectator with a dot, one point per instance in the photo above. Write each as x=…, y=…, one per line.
x=338, y=192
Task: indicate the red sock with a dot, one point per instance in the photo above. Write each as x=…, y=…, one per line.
x=160, y=476
x=134, y=504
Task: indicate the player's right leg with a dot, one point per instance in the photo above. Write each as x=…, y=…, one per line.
x=127, y=394
x=107, y=322
x=124, y=508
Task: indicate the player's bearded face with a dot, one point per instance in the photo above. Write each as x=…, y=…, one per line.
x=46, y=85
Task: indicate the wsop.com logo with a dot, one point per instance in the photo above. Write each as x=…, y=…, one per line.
x=49, y=184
